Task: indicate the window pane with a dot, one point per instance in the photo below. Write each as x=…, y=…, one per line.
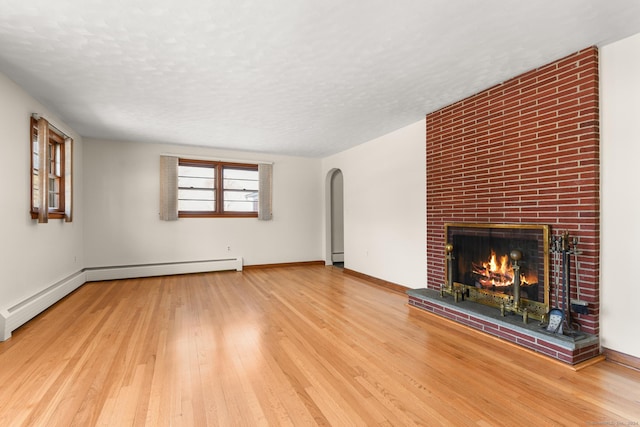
x=54, y=185
x=235, y=184
x=246, y=196
x=54, y=193
x=196, y=194
x=35, y=189
x=52, y=201
x=196, y=171
x=196, y=205
x=236, y=206
x=240, y=173
x=58, y=159
x=240, y=179
x=36, y=158
x=198, y=200
x=187, y=182
x=241, y=201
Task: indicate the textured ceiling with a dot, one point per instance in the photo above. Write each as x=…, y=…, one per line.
x=301, y=77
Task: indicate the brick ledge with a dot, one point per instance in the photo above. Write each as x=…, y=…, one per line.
x=510, y=327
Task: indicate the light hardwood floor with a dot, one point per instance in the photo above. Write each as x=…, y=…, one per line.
x=284, y=346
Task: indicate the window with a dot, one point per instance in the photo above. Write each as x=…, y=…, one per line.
x=207, y=188
x=217, y=189
x=50, y=172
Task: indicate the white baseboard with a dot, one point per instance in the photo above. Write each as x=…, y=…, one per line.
x=17, y=315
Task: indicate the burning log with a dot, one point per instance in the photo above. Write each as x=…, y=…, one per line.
x=487, y=277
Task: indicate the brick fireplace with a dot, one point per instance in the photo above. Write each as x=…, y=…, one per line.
x=523, y=152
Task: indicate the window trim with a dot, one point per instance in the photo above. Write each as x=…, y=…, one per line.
x=218, y=166
x=57, y=139
x=57, y=142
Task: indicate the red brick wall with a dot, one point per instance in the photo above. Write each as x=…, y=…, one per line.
x=524, y=151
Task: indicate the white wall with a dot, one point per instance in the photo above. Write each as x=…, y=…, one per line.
x=620, y=194
x=122, y=202
x=384, y=206
x=32, y=256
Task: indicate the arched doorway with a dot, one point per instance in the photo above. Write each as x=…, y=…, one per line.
x=335, y=218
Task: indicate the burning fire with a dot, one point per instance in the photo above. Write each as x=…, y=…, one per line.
x=496, y=274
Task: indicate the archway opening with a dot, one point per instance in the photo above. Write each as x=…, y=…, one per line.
x=335, y=218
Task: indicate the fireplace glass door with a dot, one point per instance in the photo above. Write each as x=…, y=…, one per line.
x=483, y=258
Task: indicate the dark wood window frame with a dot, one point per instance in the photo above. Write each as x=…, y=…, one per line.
x=56, y=170
x=219, y=167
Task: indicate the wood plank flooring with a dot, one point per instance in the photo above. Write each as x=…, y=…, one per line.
x=284, y=346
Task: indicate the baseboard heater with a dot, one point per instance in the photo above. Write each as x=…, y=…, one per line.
x=13, y=317
x=17, y=315
x=161, y=269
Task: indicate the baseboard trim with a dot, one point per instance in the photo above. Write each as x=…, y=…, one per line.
x=378, y=282
x=284, y=264
x=621, y=358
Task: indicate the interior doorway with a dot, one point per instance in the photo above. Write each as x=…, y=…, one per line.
x=335, y=216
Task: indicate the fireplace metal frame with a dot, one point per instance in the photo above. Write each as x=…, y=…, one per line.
x=506, y=303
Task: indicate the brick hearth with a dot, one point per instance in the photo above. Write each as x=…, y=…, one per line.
x=511, y=328
x=524, y=151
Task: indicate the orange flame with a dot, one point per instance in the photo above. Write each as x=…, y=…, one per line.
x=498, y=272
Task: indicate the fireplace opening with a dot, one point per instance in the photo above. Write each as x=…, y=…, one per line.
x=485, y=262
x=500, y=265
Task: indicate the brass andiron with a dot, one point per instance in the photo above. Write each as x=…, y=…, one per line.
x=514, y=305
x=508, y=304
x=448, y=288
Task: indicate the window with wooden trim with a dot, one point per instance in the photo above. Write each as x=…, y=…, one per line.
x=217, y=189
x=51, y=180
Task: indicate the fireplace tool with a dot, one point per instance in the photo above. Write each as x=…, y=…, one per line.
x=556, y=315
x=577, y=305
x=565, y=247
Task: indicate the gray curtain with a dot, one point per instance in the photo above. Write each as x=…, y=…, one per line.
x=168, y=188
x=265, y=175
x=68, y=180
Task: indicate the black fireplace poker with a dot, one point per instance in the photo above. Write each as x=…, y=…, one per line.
x=566, y=278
